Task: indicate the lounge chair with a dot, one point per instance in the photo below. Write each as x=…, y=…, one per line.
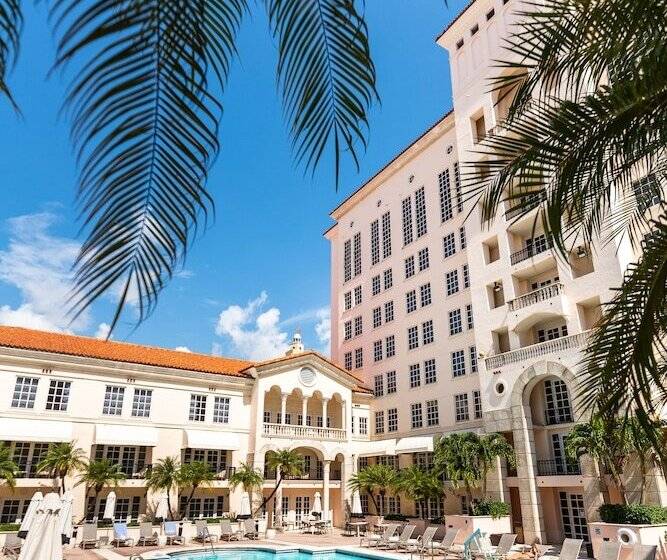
x=374, y=539
x=399, y=540
x=12, y=547
x=89, y=536
x=203, y=534
x=146, y=535
x=289, y=521
x=609, y=550
x=570, y=549
x=170, y=530
x=249, y=530
x=644, y=552
x=227, y=532
x=422, y=543
x=446, y=545
x=505, y=546
x=121, y=536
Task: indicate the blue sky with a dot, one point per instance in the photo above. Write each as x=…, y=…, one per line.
x=262, y=268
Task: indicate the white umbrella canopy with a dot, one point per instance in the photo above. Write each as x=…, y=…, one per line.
x=44, y=540
x=162, y=509
x=30, y=514
x=356, y=503
x=245, y=505
x=110, y=506
x=65, y=519
x=317, y=504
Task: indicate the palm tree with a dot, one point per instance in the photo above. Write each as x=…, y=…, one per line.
x=456, y=457
x=62, y=459
x=195, y=475
x=248, y=478
x=639, y=441
x=145, y=115
x=165, y=476
x=8, y=468
x=375, y=478
x=419, y=485
x=489, y=448
x=286, y=463
x=99, y=474
x=584, y=143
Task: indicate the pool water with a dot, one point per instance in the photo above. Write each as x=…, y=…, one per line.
x=254, y=554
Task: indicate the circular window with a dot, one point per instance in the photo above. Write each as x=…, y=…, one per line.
x=307, y=376
x=500, y=388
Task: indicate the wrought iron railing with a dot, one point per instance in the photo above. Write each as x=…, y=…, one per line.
x=552, y=467
x=539, y=245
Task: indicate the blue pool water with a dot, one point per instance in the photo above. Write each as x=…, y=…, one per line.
x=254, y=554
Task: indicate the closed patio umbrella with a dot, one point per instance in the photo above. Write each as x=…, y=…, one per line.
x=44, y=540
x=244, y=510
x=110, y=507
x=162, y=509
x=30, y=514
x=317, y=504
x=356, y=504
x=65, y=519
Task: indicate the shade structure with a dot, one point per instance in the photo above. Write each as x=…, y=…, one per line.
x=356, y=503
x=30, y=514
x=162, y=509
x=317, y=504
x=110, y=507
x=44, y=540
x=65, y=519
x=244, y=510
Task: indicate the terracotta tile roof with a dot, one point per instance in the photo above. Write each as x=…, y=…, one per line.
x=28, y=339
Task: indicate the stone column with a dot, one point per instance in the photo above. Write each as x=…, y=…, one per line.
x=283, y=407
x=325, y=403
x=343, y=415
x=304, y=410
x=326, y=466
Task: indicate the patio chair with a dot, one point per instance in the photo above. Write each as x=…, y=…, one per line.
x=504, y=546
x=446, y=545
x=146, y=535
x=374, y=539
x=422, y=543
x=227, y=532
x=170, y=530
x=203, y=534
x=89, y=536
x=570, y=549
x=249, y=530
x=609, y=550
x=121, y=536
x=12, y=547
x=644, y=552
x=399, y=540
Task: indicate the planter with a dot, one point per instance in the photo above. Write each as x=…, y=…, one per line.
x=270, y=533
x=468, y=524
x=628, y=534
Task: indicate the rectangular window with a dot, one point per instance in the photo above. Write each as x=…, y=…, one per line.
x=457, y=188
x=413, y=338
x=432, y=413
x=455, y=323
x=452, y=282
x=427, y=332
x=348, y=361
x=477, y=403
x=469, y=316
x=357, y=295
x=449, y=244
x=423, y=259
x=386, y=235
x=363, y=426
x=420, y=212
x=379, y=422
x=141, y=403
x=378, y=388
x=473, y=359
x=221, y=410
x=407, y=221
x=388, y=279
x=415, y=376
x=357, y=254
x=446, y=212
x=375, y=242
x=197, y=408
x=458, y=363
x=462, y=237
x=392, y=420
x=347, y=260
x=410, y=301
x=347, y=330
x=461, y=407
x=359, y=358
x=430, y=373
x=391, y=382
x=466, y=276
x=377, y=317
x=10, y=511
x=348, y=301
x=113, y=400
x=377, y=350
x=388, y=311
x=416, y=415
x=58, y=397
x=425, y=294
x=25, y=392
x=390, y=346
x=358, y=325
x=375, y=285
x=410, y=266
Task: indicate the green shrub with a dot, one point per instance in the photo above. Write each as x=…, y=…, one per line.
x=633, y=514
x=395, y=517
x=9, y=527
x=494, y=508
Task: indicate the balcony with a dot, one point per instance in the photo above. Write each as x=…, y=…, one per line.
x=555, y=467
x=541, y=294
x=303, y=432
x=312, y=474
x=30, y=471
x=539, y=245
x=535, y=350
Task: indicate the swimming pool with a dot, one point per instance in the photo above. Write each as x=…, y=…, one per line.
x=264, y=554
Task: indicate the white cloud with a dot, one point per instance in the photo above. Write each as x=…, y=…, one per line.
x=39, y=265
x=323, y=328
x=182, y=349
x=102, y=331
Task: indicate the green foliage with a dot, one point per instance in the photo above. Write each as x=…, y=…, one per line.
x=247, y=477
x=164, y=477
x=633, y=514
x=494, y=508
x=372, y=479
x=61, y=460
x=395, y=517
x=9, y=527
x=8, y=467
x=101, y=473
x=419, y=485
x=287, y=463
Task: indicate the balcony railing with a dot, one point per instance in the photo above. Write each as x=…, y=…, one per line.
x=552, y=467
x=30, y=471
x=531, y=298
x=536, y=350
x=312, y=474
x=538, y=246
x=531, y=202
x=303, y=432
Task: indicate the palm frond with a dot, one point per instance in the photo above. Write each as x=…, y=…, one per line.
x=145, y=126
x=326, y=76
x=11, y=22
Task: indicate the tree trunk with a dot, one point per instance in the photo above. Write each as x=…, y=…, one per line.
x=62, y=483
x=171, y=513
x=469, y=497
x=375, y=504
x=268, y=499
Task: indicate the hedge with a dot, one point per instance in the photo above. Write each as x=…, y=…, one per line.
x=494, y=508
x=633, y=514
x=9, y=527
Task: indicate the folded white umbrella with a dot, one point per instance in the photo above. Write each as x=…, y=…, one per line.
x=245, y=505
x=162, y=509
x=44, y=540
x=65, y=518
x=110, y=507
x=30, y=514
x=317, y=504
x=356, y=503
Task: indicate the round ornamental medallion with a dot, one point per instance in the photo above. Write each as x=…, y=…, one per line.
x=307, y=376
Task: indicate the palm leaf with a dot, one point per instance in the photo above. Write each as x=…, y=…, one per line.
x=325, y=75
x=11, y=22
x=145, y=126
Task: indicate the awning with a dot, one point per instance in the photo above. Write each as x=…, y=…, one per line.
x=416, y=444
x=118, y=434
x=377, y=447
x=20, y=429
x=211, y=439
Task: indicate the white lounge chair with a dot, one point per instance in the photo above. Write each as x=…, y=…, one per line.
x=121, y=536
x=203, y=534
x=146, y=535
x=446, y=545
x=420, y=544
x=170, y=530
x=397, y=541
x=374, y=539
x=12, y=547
x=249, y=529
x=227, y=532
x=89, y=536
x=570, y=549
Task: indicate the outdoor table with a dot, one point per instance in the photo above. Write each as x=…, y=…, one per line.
x=358, y=525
